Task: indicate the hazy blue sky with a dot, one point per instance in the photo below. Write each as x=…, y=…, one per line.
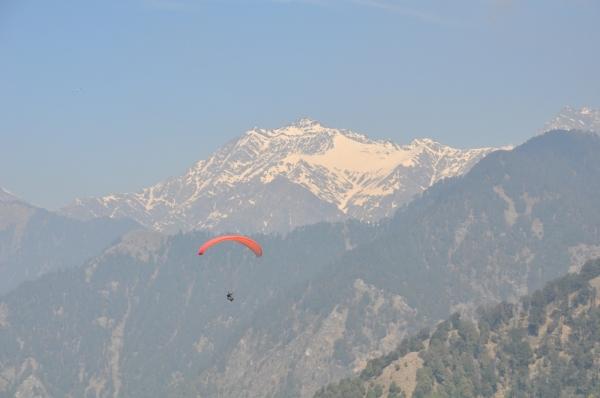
x=111, y=96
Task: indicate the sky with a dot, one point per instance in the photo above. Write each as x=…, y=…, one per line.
x=113, y=96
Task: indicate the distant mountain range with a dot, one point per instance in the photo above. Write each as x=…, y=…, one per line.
x=276, y=180
x=149, y=318
x=34, y=241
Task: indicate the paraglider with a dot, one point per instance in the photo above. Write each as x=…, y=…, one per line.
x=244, y=240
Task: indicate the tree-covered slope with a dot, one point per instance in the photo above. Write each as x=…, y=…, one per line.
x=547, y=345
x=149, y=314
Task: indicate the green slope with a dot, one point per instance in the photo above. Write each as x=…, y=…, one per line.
x=546, y=345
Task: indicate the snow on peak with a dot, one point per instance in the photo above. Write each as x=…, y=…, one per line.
x=303, y=126
x=353, y=153
x=575, y=119
x=347, y=172
x=7, y=196
x=307, y=123
x=423, y=141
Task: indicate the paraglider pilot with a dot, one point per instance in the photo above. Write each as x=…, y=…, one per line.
x=244, y=240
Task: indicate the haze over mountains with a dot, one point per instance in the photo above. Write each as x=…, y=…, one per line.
x=34, y=241
x=276, y=180
x=148, y=318
x=267, y=181
x=315, y=172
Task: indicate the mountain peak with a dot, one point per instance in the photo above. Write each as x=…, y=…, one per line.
x=569, y=118
x=424, y=142
x=7, y=196
x=282, y=175
x=305, y=122
x=302, y=126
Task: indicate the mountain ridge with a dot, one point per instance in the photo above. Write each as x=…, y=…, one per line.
x=7, y=196
x=342, y=173
x=544, y=345
x=35, y=241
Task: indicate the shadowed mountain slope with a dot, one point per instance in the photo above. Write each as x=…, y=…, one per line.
x=34, y=241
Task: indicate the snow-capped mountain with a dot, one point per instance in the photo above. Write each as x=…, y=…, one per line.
x=6, y=196
x=275, y=180
x=575, y=119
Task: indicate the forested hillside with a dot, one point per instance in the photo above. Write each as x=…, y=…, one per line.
x=546, y=345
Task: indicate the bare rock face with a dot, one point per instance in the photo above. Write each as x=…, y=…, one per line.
x=276, y=180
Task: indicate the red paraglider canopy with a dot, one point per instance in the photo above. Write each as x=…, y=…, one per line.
x=244, y=240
